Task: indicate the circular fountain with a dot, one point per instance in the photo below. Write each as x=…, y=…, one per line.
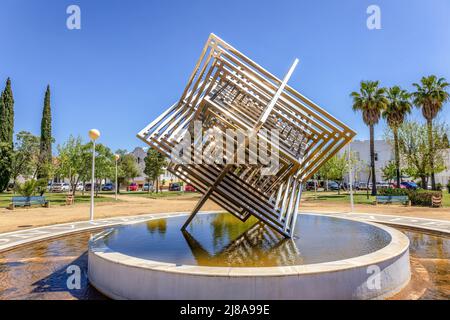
x=220, y=257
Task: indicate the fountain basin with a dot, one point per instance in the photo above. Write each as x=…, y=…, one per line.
x=127, y=263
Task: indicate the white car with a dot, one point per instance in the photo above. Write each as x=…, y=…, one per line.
x=59, y=187
x=56, y=187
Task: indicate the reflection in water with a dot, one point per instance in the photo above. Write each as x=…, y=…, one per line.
x=38, y=271
x=158, y=225
x=223, y=240
x=258, y=246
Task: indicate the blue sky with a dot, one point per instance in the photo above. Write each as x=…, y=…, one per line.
x=131, y=59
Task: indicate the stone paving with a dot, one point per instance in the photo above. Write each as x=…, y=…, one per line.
x=433, y=225
x=11, y=240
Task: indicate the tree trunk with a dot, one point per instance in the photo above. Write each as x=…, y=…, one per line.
x=430, y=142
x=372, y=161
x=74, y=188
x=424, y=182
x=397, y=155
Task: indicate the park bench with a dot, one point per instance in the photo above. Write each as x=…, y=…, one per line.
x=28, y=201
x=392, y=199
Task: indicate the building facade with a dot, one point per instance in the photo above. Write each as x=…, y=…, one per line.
x=383, y=154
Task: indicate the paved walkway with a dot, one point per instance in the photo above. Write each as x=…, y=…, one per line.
x=11, y=240
x=433, y=225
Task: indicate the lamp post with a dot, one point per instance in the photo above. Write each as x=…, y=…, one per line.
x=350, y=177
x=94, y=134
x=116, y=157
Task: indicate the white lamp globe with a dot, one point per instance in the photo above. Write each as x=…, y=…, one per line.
x=94, y=134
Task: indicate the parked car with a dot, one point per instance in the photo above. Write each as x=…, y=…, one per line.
x=108, y=187
x=57, y=187
x=87, y=187
x=333, y=185
x=174, y=187
x=189, y=188
x=310, y=185
x=361, y=185
x=133, y=187
x=383, y=185
x=409, y=185
x=79, y=187
x=148, y=187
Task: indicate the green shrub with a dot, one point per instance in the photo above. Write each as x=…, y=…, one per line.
x=392, y=192
x=423, y=197
x=417, y=197
x=27, y=189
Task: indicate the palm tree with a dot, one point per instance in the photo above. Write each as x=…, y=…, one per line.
x=371, y=101
x=430, y=96
x=398, y=107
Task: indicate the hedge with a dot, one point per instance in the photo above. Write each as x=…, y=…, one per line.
x=418, y=197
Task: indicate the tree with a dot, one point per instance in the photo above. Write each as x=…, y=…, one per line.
x=338, y=167
x=390, y=172
x=398, y=107
x=324, y=173
x=445, y=141
x=430, y=96
x=370, y=100
x=6, y=134
x=45, y=155
x=28, y=188
x=155, y=163
x=25, y=155
x=104, y=163
x=127, y=168
x=73, y=161
x=415, y=149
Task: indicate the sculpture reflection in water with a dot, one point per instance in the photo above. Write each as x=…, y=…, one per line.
x=258, y=246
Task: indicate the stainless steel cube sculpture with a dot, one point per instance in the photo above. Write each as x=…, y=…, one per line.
x=227, y=90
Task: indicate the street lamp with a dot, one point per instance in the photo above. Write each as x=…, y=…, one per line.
x=94, y=134
x=350, y=177
x=116, y=157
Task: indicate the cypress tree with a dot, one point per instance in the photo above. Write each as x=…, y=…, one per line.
x=6, y=134
x=45, y=155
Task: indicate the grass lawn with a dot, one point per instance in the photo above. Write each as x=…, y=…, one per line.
x=359, y=197
x=55, y=198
